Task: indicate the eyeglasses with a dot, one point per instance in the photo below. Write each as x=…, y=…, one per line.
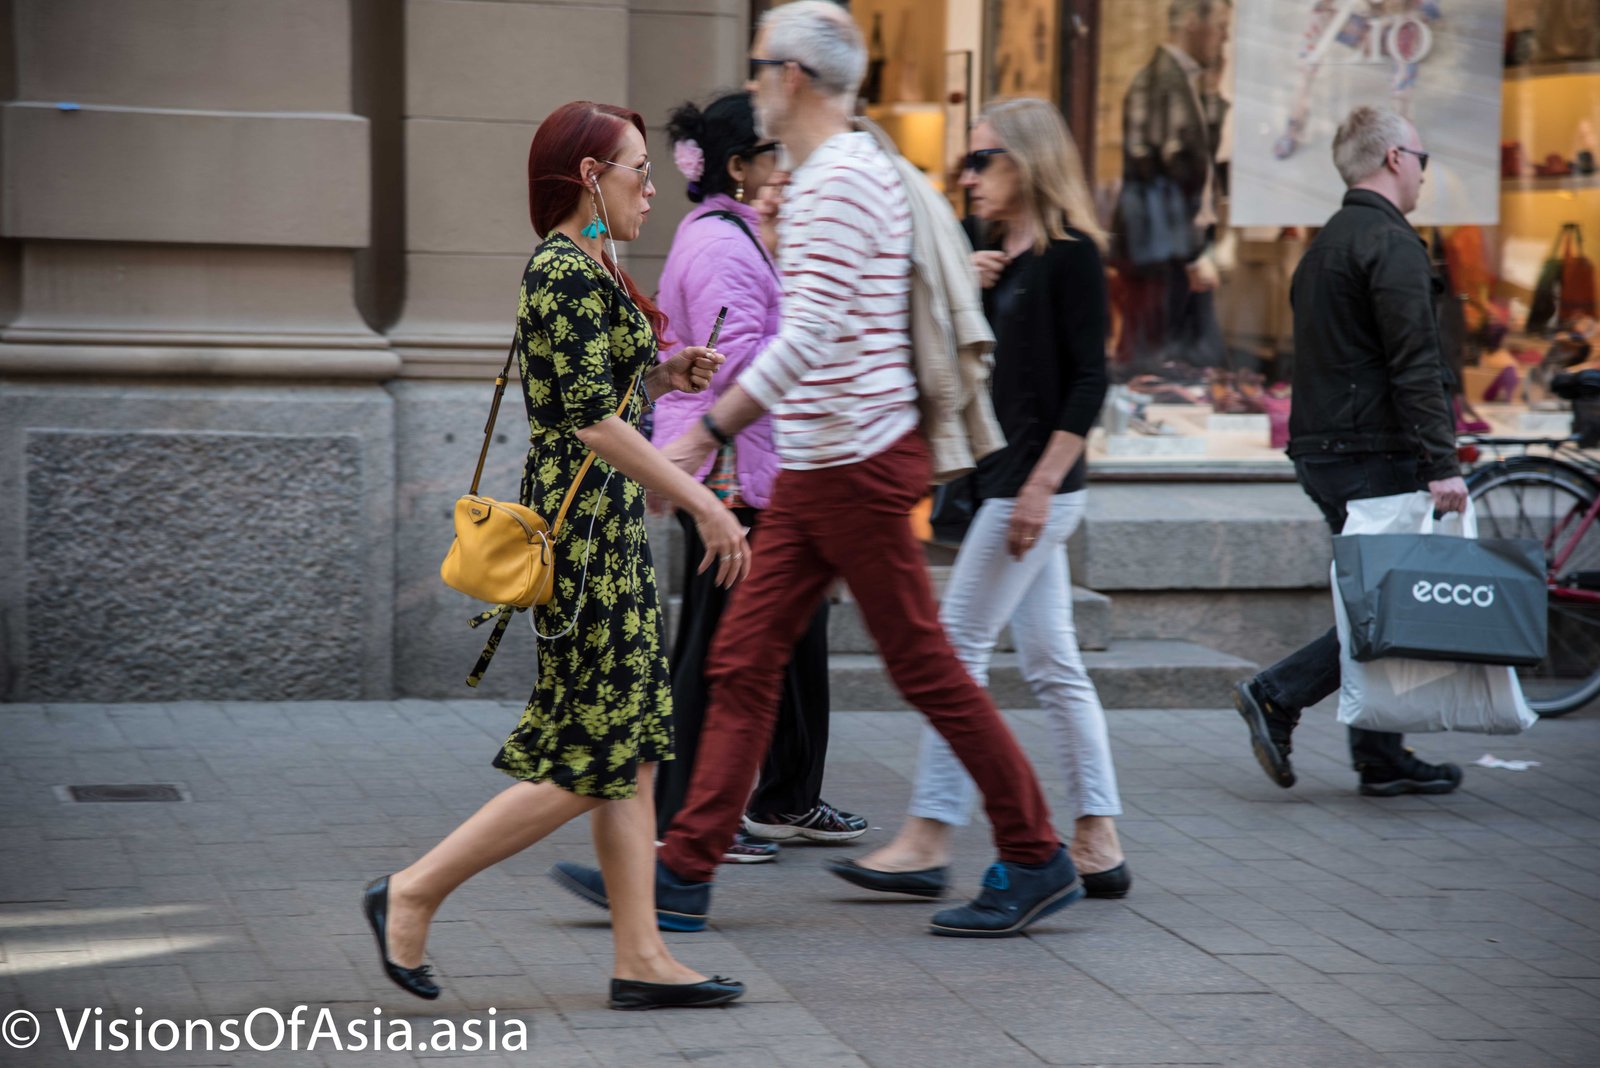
x=1422, y=157
x=643, y=172
x=977, y=162
x=757, y=64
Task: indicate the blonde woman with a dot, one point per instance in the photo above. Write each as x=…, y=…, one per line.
x=1039, y=260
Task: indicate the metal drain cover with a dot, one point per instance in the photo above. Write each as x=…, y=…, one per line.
x=100, y=793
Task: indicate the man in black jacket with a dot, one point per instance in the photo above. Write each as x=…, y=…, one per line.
x=1371, y=416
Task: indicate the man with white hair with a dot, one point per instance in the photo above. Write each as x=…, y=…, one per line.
x=1371, y=416
x=839, y=381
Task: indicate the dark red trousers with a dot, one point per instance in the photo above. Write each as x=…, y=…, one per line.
x=850, y=522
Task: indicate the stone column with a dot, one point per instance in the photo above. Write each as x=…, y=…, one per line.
x=479, y=77
x=195, y=456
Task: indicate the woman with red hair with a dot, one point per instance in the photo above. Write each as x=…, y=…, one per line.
x=600, y=715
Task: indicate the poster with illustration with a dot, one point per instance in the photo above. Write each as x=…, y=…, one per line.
x=1301, y=65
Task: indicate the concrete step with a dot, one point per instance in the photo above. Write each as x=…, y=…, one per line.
x=1132, y=674
x=1202, y=536
x=847, y=632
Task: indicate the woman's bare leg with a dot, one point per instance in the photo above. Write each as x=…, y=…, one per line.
x=508, y=823
x=920, y=843
x=1095, y=846
x=624, y=840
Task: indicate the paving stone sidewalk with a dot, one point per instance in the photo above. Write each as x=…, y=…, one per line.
x=1266, y=927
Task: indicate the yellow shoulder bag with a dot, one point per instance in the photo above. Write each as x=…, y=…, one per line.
x=503, y=551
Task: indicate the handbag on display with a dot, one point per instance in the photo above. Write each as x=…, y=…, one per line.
x=1566, y=286
x=503, y=552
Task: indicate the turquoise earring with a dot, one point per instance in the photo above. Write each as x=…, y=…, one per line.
x=595, y=227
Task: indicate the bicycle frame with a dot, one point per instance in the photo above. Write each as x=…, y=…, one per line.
x=1581, y=465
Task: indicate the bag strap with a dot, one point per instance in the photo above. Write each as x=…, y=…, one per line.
x=740, y=223
x=488, y=435
x=572, y=491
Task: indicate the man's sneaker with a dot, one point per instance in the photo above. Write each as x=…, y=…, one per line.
x=747, y=849
x=822, y=824
x=1271, y=729
x=1013, y=896
x=1409, y=776
x=680, y=906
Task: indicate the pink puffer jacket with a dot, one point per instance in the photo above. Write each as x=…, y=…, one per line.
x=713, y=263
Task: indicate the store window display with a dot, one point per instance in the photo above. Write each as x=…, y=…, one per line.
x=1527, y=287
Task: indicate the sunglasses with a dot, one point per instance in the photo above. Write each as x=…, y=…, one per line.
x=643, y=172
x=757, y=64
x=977, y=162
x=1422, y=157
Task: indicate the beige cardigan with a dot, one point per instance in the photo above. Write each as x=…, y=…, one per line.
x=951, y=341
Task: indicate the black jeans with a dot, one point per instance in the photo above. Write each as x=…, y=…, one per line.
x=791, y=774
x=1303, y=678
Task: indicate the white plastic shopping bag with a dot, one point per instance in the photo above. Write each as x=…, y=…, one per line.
x=1408, y=696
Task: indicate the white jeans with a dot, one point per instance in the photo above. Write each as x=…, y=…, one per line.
x=987, y=588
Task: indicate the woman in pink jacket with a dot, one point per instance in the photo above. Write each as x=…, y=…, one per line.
x=718, y=260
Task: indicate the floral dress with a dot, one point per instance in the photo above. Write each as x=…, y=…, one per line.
x=603, y=700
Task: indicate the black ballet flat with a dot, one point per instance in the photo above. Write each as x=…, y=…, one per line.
x=418, y=981
x=1113, y=882
x=924, y=882
x=634, y=995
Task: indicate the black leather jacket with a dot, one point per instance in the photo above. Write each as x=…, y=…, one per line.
x=1368, y=373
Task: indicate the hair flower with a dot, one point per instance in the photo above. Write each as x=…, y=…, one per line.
x=689, y=157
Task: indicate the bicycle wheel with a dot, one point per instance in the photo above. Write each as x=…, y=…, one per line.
x=1548, y=500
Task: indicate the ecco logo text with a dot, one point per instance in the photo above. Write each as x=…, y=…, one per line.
x=1453, y=593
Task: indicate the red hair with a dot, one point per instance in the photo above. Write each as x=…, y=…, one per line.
x=555, y=184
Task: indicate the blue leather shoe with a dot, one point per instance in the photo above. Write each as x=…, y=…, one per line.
x=1013, y=896
x=680, y=906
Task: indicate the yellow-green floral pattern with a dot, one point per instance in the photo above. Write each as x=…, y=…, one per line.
x=603, y=700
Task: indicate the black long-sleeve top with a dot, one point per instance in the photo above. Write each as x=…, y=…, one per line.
x=1049, y=314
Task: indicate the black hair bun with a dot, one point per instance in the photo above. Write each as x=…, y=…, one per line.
x=686, y=122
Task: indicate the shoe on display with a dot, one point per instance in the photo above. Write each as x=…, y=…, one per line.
x=748, y=849
x=1012, y=898
x=1409, y=776
x=824, y=823
x=1271, y=731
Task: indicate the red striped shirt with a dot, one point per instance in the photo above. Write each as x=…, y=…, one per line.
x=838, y=376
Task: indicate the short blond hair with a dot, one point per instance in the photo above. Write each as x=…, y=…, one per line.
x=1364, y=140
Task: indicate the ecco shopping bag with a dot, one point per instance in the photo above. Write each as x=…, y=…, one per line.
x=1404, y=694
x=1436, y=597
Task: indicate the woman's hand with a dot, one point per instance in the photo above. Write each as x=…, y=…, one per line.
x=726, y=547
x=1028, y=517
x=689, y=370
x=990, y=265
